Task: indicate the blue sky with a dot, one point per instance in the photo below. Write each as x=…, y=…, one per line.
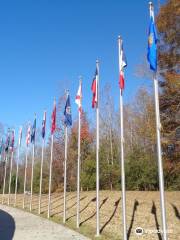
x=45, y=46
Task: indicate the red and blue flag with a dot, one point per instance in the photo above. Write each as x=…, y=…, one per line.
x=94, y=89
x=123, y=64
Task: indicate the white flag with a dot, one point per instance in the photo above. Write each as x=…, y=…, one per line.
x=78, y=100
x=20, y=135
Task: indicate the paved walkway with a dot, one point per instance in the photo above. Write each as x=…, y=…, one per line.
x=17, y=224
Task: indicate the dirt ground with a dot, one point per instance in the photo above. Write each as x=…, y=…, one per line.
x=143, y=210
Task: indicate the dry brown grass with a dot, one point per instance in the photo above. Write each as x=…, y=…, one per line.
x=143, y=210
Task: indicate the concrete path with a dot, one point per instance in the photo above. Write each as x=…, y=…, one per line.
x=17, y=224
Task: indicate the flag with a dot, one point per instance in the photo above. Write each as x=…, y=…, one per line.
x=123, y=64
x=78, y=100
x=28, y=135
x=7, y=142
x=20, y=136
x=53, y=119
x=44, y=125
x=152, y=42
x=33, y=132
x=12, y=140
x=94, y=89
x=67, y=112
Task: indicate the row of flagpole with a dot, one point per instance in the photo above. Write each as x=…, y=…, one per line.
x=152, y=58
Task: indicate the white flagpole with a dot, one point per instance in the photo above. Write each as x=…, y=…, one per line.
x=25, y=176
x=65, y=180
x=17, y=170
x=40, y=185
x=50, y=176
x=159, y=152
x=4, y=181
x=97, y=151
x=160, y=166
x=32, y=176
x=78, y=167
x=3, y=162
x=122, y=150
x=10, y=173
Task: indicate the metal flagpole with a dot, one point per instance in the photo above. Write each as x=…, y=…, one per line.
x=17, y=164
x=25, y=176
x=32, y=175
x=122, y=150
x=3, y=162
x=97, y=150
x=40, y=185
x=50, y=177
x=10, y=173
x=17, y=169
x=78, y=170
x=158, y=133
x=4, y=181
x=160, y=167
x=65, y=170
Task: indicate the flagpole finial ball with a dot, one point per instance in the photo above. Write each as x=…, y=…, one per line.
x=119, y=37
x=97, y=61
x=67, y=92
x=80, y=79
x=150, y=4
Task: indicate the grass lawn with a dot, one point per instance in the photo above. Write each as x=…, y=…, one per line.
x=143, y=210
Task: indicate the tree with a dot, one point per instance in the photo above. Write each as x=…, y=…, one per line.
x=169, y=64
x=86, y=153
x=168, y=23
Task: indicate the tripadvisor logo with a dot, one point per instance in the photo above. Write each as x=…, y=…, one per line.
x=139, y=231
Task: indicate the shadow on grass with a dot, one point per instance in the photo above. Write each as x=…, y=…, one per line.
x=57, y=199
x=136, y=203
x=176, y=211
x=154, y=212
x=63, y=203
x=43, y=199
x=112, y=215
x=68, y=207
x=84, y=208
x=103, y=202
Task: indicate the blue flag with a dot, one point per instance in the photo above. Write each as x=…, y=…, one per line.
x=12, y=140
x=7, y=144
x=152, y=44
x=44, y=126
x=67, y=112
x=33, y=132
